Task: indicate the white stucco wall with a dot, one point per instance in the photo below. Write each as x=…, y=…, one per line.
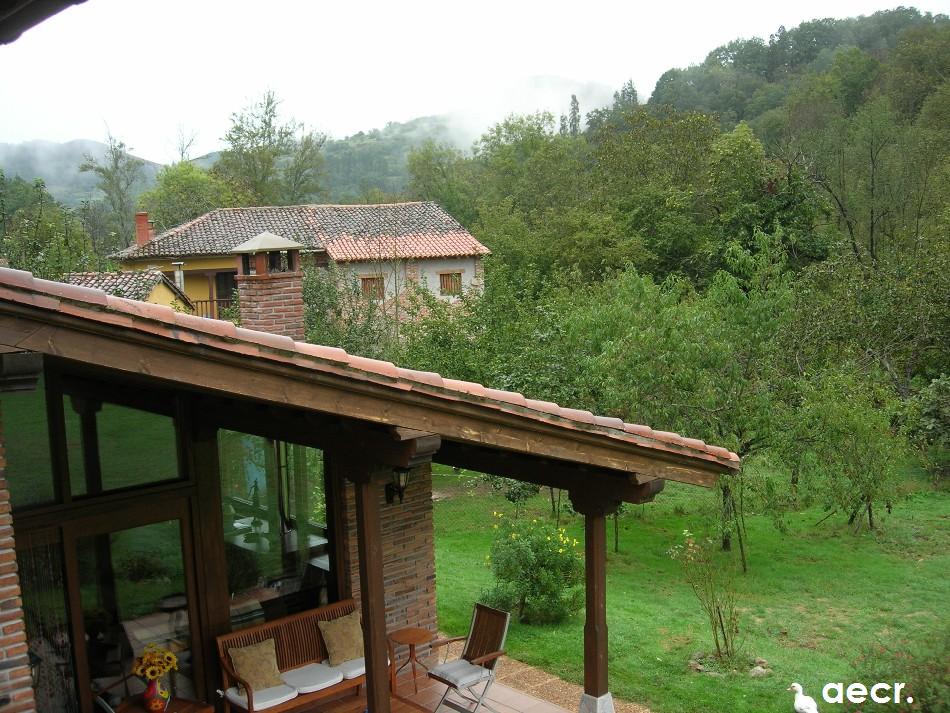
x=426, y=272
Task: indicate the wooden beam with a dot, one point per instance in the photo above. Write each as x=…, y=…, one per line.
x=337, y=390
x=367, y=482
x=605, y=484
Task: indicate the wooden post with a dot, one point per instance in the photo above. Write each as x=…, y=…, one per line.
x=372, y=593
x=595, y=510
x=595, y=624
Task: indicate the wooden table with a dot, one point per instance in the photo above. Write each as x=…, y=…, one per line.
x=411, y=636
x=177, y=705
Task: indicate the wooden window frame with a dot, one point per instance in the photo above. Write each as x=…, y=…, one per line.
x=378, y=292
x=451, y=274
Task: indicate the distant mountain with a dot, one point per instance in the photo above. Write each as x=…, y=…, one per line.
x=376, y=159
x=58, y=165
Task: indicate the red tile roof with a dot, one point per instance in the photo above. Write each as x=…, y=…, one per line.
x=22, y=288
x=348, y=233
x=416, y=246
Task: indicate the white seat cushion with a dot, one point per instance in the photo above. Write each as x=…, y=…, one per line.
x=265, y=698
x=312, y=677
x=353, y=668
x=461, y=673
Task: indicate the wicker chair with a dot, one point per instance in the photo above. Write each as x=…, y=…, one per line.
x=476, y=668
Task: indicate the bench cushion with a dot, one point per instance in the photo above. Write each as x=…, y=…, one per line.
x=352, y=669
x=312, y=677
x=264, y=698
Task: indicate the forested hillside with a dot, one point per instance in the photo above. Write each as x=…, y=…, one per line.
x=783, y=293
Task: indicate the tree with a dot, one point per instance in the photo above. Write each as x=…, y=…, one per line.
x=118, y=172
x=626, y=97
x=183, y=191
x=42, y=236
x=275, y=163
x=847, y=443
x=574, y=117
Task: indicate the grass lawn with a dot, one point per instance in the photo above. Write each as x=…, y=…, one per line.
x=815, y=596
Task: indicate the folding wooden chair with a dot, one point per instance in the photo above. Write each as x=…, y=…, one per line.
x=484, y=645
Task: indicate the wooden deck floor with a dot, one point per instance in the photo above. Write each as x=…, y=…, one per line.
x=501, y=698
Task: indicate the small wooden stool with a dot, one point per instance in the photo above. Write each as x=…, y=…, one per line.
x=411, y=636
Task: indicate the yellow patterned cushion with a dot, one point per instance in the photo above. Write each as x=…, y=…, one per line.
x=343, y=638
x=257, y=664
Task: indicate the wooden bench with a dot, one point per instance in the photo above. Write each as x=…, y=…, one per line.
x=298, y=643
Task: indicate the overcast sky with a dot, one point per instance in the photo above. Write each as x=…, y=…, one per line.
x=144, y=68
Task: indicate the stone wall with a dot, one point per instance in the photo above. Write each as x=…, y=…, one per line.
x=408, y=552
x=16, y=691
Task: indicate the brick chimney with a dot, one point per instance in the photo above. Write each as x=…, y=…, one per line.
x=270, y=285
x=143, y=228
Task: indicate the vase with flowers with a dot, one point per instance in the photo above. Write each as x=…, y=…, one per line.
x=152, y=665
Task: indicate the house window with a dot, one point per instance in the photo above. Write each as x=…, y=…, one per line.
x=450, y=283
x=373, y=287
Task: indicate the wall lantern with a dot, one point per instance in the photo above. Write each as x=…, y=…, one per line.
x=398, y=486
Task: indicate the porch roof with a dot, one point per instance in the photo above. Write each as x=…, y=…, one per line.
x=67, y=320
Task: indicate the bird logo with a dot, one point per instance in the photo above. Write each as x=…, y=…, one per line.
x=803, y=703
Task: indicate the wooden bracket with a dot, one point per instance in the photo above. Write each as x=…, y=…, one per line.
x=20, y=371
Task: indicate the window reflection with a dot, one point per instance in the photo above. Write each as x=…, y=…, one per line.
x=276, y=541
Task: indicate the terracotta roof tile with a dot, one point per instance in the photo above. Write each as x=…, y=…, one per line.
x=322, y=352
x=508, y=397
x=669, y=437
x=466, y=387
x=638, y=429
x=543, y=406
x=375, y=366
x=424, y=377
x=608, y=422
x=267, y=339
x=20, y=287
x=72, y=292
x=347, y=232
x=418, y=246
x=577, y=415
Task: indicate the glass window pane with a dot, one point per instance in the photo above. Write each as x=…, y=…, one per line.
x=26, y=437
x=132, y=585
x=276, y=543
x=135, y=447
x=47, y=627
x=77, y=471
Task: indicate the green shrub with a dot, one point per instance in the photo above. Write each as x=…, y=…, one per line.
x=711, y=575
x=538, y=571
x=143, y=566
x=923, y=666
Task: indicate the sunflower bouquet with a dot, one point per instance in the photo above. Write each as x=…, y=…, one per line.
x=154, y=662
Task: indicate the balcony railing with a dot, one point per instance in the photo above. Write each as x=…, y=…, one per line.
x=210, y=308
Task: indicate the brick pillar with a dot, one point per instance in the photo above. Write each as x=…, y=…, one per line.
x=16, y=686
x=408, y=552
x=273, y=302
